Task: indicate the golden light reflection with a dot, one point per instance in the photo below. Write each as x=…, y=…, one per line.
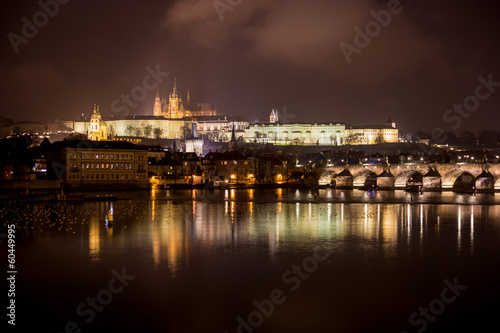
x=233, y=212
x=386, y=227
x=472, y=230
x=459, y=236
x=153, y=210
x=94, y=237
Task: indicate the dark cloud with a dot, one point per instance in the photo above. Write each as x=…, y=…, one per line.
x=263, y=54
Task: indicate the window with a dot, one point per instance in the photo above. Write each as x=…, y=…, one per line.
x=92, y=176
x=112, y=156
x=107, y=156
x=112, y=176
x=112, y=166
x=107, y=176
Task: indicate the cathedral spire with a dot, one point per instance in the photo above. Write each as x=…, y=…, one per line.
x=188, y=100
x=175, y=94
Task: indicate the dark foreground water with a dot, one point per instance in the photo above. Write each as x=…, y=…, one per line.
x=197, y=262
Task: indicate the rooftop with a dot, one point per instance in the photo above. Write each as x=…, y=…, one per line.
x=87, y=144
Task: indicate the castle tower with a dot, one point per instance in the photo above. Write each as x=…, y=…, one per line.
x=175, y=108
x=193, y=144
x=98, y=130
x=390, y=123
x=273, y=118
x=157, y=106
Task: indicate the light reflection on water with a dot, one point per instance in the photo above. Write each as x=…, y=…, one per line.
x=173, y=230
x=173, y=246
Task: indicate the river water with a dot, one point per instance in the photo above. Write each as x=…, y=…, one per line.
x=258, y=261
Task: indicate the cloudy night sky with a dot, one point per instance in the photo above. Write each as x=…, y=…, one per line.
x=262, y=55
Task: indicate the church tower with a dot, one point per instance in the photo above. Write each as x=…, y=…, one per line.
x=98, y=130
x=194, y=144
x=273, y=118
x=175, y=108
x=157, y=106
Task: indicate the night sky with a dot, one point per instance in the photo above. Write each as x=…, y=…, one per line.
x=262, y=55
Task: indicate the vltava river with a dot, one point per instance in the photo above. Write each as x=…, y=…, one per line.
x=258, y=261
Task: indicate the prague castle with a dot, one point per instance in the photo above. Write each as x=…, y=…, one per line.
x=173, y=118
x=175, y=108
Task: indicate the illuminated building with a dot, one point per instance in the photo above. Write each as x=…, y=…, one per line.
x=97, y=129
x=175, y=108
x=96, y=164
x=366, y=135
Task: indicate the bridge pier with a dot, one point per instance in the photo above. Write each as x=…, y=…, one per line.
x=385, y=181
x=485, y=182
x=344, y=180
x=458, y=177
x=432, y=181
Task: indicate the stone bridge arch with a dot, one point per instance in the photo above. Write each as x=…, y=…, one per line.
x=327, y=178
x=497, y=183
x=365, y=178
x=450, y=179
x=402, y=179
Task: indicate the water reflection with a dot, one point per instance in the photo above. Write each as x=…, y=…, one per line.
x=175, y=231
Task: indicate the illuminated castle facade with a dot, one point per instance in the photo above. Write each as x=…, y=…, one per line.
x=175, y=108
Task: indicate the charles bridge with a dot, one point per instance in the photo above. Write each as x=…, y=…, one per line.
x=422, y=176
